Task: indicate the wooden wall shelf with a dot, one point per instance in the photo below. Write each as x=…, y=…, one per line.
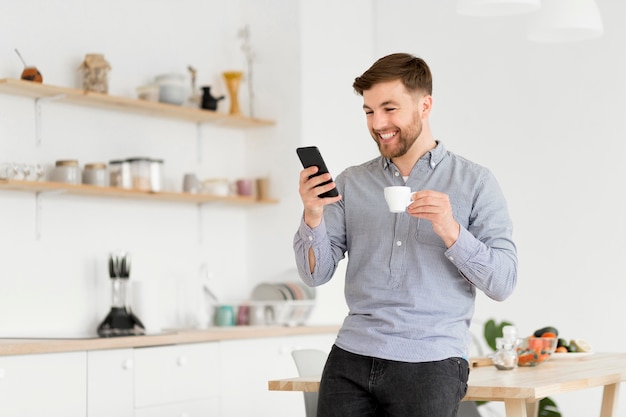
x=105, y=101
x=114, y=192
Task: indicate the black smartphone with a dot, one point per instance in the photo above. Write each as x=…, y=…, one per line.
x=311, y=156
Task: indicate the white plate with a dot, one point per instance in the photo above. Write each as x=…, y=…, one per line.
x=268, y=292
x=570, y=355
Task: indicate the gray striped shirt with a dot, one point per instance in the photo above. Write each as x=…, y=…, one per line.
x=410, y=299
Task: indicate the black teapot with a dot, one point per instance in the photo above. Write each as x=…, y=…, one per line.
x=208, y=101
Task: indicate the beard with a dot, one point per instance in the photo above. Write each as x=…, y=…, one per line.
x=405, y=140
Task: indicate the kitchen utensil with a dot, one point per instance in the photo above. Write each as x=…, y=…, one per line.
x=120, y=321
x=208, y=101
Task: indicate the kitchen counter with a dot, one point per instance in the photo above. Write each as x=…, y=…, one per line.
x=10, y=346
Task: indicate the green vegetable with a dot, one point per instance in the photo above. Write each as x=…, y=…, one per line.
x=548, y=329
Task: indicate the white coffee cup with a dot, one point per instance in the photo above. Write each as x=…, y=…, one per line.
x=398, y=198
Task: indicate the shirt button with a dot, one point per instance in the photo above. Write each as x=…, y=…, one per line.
x=310, y=238
x=451, y=258
x=432, y=164
x=397, y=174
x=398, y=243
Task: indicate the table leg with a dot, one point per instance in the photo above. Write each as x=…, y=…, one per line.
x=515, y=408
x=609, y=400
x=532, y=409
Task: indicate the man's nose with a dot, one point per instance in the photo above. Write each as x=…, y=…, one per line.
x=379, y=121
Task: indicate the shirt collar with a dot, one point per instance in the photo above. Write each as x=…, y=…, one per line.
x=433, y=157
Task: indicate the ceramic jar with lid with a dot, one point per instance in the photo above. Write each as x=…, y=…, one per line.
x=67, y=171
x=96, y=174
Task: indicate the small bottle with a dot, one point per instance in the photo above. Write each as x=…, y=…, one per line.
x=505, y=357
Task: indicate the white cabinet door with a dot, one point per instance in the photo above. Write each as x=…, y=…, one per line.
x=110, y=383
x=176, y=373
x=53, y=384
x=247, y=365
x=203, y=408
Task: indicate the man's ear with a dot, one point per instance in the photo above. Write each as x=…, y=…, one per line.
x=426, y=104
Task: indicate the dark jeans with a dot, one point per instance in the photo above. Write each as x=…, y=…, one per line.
x=361, y=386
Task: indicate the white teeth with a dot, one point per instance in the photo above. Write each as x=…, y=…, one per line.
x=386, y=136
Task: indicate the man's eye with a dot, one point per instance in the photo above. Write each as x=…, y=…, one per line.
x=388, y=109
x=368, y=112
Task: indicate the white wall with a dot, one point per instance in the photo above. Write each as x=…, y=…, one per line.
x=59, y=284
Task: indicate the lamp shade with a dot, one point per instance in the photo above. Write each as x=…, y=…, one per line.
x=496, y=7
x=566, y=21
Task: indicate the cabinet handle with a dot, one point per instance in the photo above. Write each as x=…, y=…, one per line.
x=127, y=364
x=181, y=361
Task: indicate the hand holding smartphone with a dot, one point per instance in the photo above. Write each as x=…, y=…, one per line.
x=311, y=156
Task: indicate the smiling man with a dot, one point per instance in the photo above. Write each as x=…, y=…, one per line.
x=412, y=277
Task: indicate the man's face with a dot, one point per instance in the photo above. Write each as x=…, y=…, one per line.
x=393, y=117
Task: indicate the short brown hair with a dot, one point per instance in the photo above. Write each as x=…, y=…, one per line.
x=411, y=70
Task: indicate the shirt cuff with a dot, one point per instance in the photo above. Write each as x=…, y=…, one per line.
x=308, y=234
x=463, y=249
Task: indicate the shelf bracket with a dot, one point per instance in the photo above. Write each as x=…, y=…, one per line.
x=38, y=102
x=199, y=142
x=39, y=209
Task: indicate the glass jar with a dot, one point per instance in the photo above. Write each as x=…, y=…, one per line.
x=119, y=174
x=156, y=175
x=505, y=357
x=140, y=173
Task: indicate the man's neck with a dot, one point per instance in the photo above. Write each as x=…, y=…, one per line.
x=406, y=162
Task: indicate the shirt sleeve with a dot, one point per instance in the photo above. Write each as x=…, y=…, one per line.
x=317, y=239
x=485, y=253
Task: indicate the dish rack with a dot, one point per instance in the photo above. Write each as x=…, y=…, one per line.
x=285, y=313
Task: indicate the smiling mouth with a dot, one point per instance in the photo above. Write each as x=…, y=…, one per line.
x=385, y=137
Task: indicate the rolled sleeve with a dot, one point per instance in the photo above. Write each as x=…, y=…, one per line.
x=307, y=238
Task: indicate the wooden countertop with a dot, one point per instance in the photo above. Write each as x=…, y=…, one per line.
x=10, y=346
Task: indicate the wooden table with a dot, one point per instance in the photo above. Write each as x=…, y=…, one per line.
x=522, y=388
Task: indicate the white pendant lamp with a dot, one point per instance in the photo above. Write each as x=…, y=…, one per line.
x=487, y=8
x=566, y=21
